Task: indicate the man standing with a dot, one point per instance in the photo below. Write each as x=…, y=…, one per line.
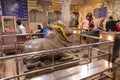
x=110, y=24
x=21, y=28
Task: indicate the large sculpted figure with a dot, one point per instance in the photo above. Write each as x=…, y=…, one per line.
x=56, y=38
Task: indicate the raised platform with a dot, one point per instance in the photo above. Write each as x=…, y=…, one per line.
x=79, y=72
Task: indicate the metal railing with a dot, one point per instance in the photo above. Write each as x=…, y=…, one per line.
x=40, y=53
x=27, y=34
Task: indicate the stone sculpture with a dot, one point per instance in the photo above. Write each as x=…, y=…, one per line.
x=56, y=38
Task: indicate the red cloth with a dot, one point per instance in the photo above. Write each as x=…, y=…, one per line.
x=117, y=28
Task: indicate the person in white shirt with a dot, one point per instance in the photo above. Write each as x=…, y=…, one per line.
x=21, y=28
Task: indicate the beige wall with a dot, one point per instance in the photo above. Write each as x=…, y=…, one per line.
x=116, y=9
x=86, y=6
x=113, y=7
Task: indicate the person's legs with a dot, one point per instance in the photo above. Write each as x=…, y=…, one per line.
x=84, y=38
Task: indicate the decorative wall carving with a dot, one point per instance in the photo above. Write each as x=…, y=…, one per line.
x=116, y=9
x=113, y=8
x=36, y=15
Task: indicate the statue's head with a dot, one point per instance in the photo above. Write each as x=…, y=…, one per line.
x=62, y=27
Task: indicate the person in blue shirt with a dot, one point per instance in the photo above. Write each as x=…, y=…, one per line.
x=45, y=31
x=21, y=28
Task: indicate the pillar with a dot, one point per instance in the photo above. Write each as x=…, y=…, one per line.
x=116, y=9
x=0, y=36
x=65, y=16
x=45, y=5
x=0, y=44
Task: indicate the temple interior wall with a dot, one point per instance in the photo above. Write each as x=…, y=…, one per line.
x=85, y=6
x=112, y=7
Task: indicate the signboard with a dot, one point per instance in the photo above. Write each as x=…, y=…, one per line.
x=16, y=8
x=100, y=12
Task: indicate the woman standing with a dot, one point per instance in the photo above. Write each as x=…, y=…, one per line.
x=117, y=27
x=85, y=24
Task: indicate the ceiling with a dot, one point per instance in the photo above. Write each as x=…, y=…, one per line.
x=74, y=2
x=56, y=4
x=78, y=2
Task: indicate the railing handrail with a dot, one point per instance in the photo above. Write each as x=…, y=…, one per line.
x=95, y=37
x=27, y=34
x=112, y=32
x=44, y=51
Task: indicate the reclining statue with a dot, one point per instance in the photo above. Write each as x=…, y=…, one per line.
x=56, y=38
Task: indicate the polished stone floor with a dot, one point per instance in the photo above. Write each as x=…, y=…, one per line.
x=95, y=53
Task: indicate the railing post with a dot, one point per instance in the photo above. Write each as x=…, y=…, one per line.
x=110, y=47
x=90, y=52
x=17, y=69
x=53, y=62
x=0, y=44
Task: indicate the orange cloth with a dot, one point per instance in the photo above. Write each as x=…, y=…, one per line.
x=28, y=30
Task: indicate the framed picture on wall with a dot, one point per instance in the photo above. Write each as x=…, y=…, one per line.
x=8, y=24
x=100, y=12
